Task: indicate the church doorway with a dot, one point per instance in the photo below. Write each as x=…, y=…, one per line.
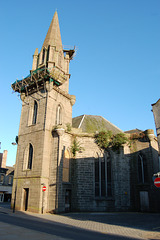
x=25, y=199
x=68, y=200
x=144, y=201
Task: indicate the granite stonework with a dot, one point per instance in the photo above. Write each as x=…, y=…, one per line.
x=91, y=179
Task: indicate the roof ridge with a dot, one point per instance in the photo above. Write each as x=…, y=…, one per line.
x=81, y=121
x=112, y=124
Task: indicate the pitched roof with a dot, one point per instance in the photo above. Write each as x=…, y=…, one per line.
x=93, y=123
x=134, y=131
x=53, y=37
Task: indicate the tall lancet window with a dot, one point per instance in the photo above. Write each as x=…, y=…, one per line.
x=35, y=113
x=43, y=55
x=142, y=169
x=103, y=176
x=59, y=115
x=30, y=156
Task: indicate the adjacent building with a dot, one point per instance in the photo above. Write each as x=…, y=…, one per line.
x=6, y=178
x=156, y=113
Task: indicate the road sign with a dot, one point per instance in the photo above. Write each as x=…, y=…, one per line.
x=44, y=188
x=157, y=182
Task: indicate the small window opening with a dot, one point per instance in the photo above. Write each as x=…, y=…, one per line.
x=59, y=116
x=30, y=156
x=35, y=112
x=43, y=55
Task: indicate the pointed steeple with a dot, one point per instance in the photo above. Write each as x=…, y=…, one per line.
x=53, y=37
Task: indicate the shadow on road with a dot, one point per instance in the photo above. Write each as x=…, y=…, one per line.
x=141, y=221
x=56, y=229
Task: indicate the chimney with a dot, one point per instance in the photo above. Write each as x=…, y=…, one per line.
x=4, y=159
x=1, y=156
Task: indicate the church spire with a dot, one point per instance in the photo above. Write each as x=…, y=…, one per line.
x=53, y=37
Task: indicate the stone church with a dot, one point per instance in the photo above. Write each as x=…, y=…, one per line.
x=61, y=154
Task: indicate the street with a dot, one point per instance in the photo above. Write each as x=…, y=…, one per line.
x=109, y=226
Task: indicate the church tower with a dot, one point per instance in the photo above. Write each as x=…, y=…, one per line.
x=46, y=111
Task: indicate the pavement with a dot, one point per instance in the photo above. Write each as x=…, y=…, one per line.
x=26, y=225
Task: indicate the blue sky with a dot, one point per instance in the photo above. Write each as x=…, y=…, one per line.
x=115, y=72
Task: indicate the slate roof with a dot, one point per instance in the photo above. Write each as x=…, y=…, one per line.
x=93, y=123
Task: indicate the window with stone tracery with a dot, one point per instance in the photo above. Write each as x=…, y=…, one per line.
x=103, y=175
x=142, y=169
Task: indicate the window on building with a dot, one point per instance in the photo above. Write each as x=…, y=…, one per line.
x=1, y=178
x=60, y=60
x=59, y=115
x=103, y=176
x=35, y=112
x=1, y=197
x=142, y=169
x=30, y=156
x=66, y=166
x=10, y=180
x=43, y=55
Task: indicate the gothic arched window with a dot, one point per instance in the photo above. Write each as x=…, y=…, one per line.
x=10, y=180
x=59, y=115
x=30, y=156
x=103, y=176
x=35, y=110
x=142, y=169
x=2, y=176
x=66, y=166
x=43, y=55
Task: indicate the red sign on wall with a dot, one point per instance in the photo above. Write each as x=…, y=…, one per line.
x=44, y=188
x=157, y=182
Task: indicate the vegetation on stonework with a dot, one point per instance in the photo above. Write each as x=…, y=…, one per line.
x=139, y=135
x=69, y=128
x=118, y=140
x=105, y=139
x=76, y=147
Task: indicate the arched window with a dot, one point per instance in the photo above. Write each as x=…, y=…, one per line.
x=108, y=164
x=2, y=178
x=66, y=166
x=35, y=112
x=43, y=55
x=142, y=169
x=59, y=115
x=10, y=180
x=103, y=176
x=30, y=156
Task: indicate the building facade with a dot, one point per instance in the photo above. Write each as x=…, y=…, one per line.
x=156, y=113
x=6, y=178
x=61, y=154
